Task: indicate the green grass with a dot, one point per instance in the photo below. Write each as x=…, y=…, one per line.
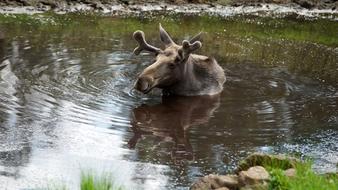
x=322, y=31
x=104, y=182
x=90, y=181
x=305, y=179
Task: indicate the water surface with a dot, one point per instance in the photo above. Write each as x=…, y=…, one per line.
x=67, y=102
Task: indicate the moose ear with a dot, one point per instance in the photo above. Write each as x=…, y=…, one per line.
x=197, y=37
x=165, y=38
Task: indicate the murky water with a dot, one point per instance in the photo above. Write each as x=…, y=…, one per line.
x=67, y=103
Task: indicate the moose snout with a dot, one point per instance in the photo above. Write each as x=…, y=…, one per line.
x=144, y=84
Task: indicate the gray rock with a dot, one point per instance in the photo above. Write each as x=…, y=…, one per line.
x=263, y=186
x=290, y=172
x=254, y=175
x=229, y=181
x=223, y=188
x=216, y=182
x=206, y=182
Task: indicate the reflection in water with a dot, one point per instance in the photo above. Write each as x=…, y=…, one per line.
x=66, y=104
x=171, y=120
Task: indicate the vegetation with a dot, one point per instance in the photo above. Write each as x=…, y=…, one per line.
x=305, y=178
x=89, y=181
x=285, y=173
x=321, y=31
x=105, y=182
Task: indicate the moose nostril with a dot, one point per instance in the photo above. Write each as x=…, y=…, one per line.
x=142, y=84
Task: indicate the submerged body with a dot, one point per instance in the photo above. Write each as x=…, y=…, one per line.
x=202, y=76
x=177, y=71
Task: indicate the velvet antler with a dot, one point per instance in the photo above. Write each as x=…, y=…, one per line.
x=197, y=37
x=142, y=44
x=188, y=48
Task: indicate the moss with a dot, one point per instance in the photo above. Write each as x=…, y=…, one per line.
x=276, y=161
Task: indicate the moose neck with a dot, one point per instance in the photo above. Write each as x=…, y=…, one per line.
x=189, y=78
x=192, y=81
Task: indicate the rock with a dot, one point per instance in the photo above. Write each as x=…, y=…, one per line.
x=223, y=188
x=290, y=172
x=97, y=4
x=305, y=4
x=254, y=175
x=264, y=186
x=229, y=181
x=202, y=183
x=216, y=182
x=207, y=182
x=179, y=2
x=260, y=159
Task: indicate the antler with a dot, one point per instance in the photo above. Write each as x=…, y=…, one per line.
x=165, y=37
x=197, y=37
x=142, y=44
x=188, y=48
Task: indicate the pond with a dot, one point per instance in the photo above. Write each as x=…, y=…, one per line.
x=67, y=103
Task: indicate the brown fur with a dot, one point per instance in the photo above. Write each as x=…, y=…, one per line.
x=177, y=71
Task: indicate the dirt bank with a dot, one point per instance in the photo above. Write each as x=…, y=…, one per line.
x=101, y=4
x=223, y=8
x=308, y=4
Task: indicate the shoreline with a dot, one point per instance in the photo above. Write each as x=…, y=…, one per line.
x=260, y=171
x=262, y=9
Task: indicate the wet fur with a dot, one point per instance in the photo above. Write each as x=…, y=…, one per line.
x=203, y=76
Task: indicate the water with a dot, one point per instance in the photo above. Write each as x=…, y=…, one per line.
x=67, y=103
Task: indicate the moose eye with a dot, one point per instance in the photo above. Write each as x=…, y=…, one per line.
x=177, y=60
x=172, y=66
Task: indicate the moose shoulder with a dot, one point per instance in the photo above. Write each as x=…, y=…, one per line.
x=177, y=71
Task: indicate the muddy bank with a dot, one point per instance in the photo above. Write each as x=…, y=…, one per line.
x=312, y=8
x=307, y=4
x=152, y=8
x=99, y=4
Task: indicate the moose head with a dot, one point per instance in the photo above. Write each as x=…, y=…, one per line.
x=170, y=64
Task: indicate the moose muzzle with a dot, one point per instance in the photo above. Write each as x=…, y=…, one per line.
x=144, y=84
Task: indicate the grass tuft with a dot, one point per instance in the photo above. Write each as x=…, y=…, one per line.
x=103, y=182
x=90, y=181
x=305, y=178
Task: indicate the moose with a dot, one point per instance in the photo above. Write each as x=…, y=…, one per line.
x=176, y=70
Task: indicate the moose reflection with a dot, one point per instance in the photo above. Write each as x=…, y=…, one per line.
x=170, y=121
